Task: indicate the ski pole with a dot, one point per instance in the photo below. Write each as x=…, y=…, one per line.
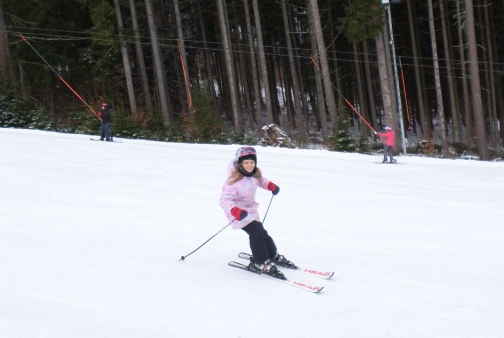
x=55, y=72
x=184, y=257
x=271, y=200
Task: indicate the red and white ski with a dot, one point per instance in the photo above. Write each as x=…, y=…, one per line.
x=312, y=272
x=299, y=285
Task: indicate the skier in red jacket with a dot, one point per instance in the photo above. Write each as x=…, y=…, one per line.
x=388, y=138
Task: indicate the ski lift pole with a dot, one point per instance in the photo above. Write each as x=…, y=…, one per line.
x=59, y=76
x=396, y=80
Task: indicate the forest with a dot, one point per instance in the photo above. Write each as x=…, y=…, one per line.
x=324, y=72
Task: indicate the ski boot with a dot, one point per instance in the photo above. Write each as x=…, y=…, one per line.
x=267, y=268
x=384, y=161
x=282, y=261
x=393, y=160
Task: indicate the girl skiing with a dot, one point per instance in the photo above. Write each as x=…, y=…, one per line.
x=238, y=201
x=389, y=137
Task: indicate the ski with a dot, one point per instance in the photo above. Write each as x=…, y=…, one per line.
x=311, y=272
x=389, y=163
x=93, y=139
x=296, y=284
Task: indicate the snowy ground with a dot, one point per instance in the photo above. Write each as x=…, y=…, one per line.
x=91, y=234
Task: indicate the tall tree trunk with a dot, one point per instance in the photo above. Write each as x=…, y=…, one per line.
x=220, y=73
x=486, y=77
x=240, y=37
x=437, y=79
x=369, y=84
x=208, y=62
x=331, y=104
x=321, y=103
x=384, y=79
x=281, y=80
x=176, y=68
x=337, y=75
x=234, y=59
x=4, y=49
x=451, y=79
x=183, y=57
x=498, y=84
x=289, y=102
x=257, y=88
x=262, y=62
x=126, y=62
x=423, y=79
x=235, y=55
x=313, y=98
x=158, y=64
x=275, y=105
x=302, y=88
x=246, y=86
x=360, y=86
x=493, y=119
x=24, y=90
x=418, y=80
x=455, y=79
x=465, y=88
x=390, y=69
x=229, y=63
x=295, y=83
x=479, y=120
x=141, y=59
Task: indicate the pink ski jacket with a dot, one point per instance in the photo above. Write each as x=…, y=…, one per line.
x=389, y=137
x=242, y=195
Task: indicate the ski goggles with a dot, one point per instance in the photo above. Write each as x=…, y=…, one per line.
x=246, y=151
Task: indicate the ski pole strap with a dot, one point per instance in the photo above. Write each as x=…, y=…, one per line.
x=184, y=257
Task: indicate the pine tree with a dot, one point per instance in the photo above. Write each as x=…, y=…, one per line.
x=341, y=139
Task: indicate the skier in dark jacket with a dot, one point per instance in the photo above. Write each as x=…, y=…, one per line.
x=105, y=127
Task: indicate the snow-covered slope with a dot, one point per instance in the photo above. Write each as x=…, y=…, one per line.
x=91, y=234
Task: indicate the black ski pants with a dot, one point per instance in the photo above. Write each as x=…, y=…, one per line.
x=105, y=131
x=262, y=245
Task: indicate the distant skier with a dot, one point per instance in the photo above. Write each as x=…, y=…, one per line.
x=389, y=137
x=238, y=201
x=105, y=127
